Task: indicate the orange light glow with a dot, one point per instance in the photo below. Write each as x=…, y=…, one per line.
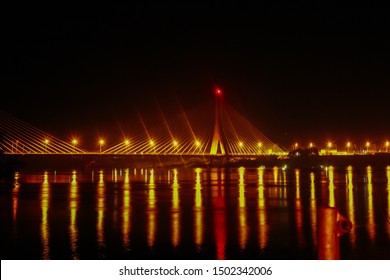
x=75, y=141
x=46, y=141
x=330, y=144
x=151, y=142
x=127, y=142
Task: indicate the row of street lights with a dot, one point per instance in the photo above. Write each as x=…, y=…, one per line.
x=348, y=145
x=330, y=145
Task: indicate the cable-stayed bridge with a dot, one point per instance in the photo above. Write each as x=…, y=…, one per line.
x=214, y=128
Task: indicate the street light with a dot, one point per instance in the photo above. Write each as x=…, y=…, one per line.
x=74, y=142
x=175, y=144
x=127, y=143
x=367, y=146
x=240, y=144
x=387, y=144
x=101, y=143
x=151, y=142
x=348, y=146
x=46, y=141
x=259, y=145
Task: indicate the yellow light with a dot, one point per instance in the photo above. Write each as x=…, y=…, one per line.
x=387, y=144
x=330, y=145
x=175, y=143
x=151, y=142
x=259, y=144
x=197, y=143
x=46, y=141
x=348, y=144
x=367, y=144
x=240, y=144
x=127, y=142
x=75, y=141
x=311, y=145
x=101, y=143
x=296, y=145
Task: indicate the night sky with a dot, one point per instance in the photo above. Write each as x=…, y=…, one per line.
x=299, y=73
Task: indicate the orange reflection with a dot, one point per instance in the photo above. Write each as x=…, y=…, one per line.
x=298, y=209
x=388, y=197
x=313, y=209
x=175, y=213
x=15, y=195
x=276, y=172
x=262, y=211
x=243, y=227
x=45, y=204
x=332, y=201
x=351, y=204
x=73, y=206
x=370, y=205
x=198, y=222
x=152, y=210
x=126, y=211
x=219, y=207
x=100, y=210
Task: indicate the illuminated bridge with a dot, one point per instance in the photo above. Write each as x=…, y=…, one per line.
x=214, y=129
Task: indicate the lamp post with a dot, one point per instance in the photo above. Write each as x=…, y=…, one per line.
x=46, y=141
x=151, y=142
x=348, y=146
x=197, y=145
x=175, y=145
x=367, y=146
x=74, y=142
x=127, y=144
x=259, y=145
x=101, y=143
x=240, y=145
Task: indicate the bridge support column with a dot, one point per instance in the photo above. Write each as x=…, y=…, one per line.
x=217, y=145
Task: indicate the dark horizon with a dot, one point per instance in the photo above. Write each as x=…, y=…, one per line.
x=297, y=73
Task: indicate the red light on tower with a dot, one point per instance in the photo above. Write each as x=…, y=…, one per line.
x=218, y=92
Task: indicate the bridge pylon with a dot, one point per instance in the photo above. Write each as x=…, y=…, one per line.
x=218, y=143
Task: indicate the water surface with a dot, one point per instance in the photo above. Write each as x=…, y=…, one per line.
x=238, y=213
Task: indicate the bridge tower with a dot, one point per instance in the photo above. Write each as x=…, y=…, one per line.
x=217, y=143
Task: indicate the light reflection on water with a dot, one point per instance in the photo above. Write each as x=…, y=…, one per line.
x=198, y=213
x=73, y=206
x=351, y=203
x=45, y=203
x=388, y=199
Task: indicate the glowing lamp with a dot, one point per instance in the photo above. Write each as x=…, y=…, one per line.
x=218, y=92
